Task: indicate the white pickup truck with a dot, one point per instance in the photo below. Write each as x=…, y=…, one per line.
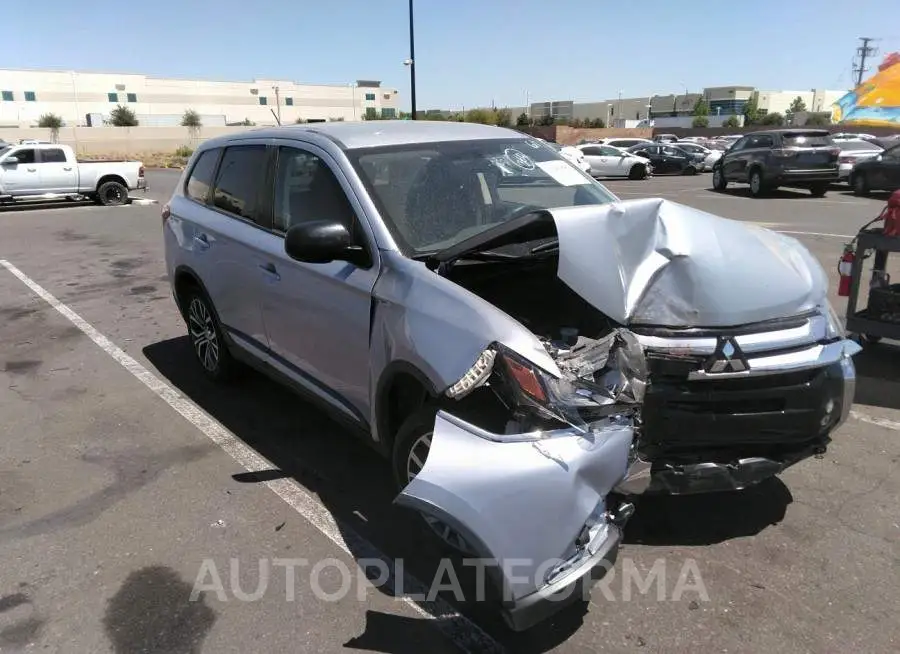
x=51, y=172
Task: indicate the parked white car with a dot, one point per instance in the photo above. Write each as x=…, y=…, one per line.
x=607, y=161
x=623, y=142
x=710, y=156
x=572, y=154
x=852, y=152
x=51, y=172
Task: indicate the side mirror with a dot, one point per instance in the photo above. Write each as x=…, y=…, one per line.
x=10, y=161
x=323, y=241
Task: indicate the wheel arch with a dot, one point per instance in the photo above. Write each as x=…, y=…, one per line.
x=185, y=278
x=112, y=177
x=401, y=390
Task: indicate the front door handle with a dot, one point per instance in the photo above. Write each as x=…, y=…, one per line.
x=201, y=241
x=270, y=270
x=32, y=170
x=67, y=168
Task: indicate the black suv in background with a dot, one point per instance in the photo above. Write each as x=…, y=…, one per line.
x=881, y=173
x=799, y=158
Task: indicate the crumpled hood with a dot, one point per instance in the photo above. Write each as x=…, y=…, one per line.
x=656, y=262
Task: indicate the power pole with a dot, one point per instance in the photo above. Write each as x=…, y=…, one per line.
x=863, y=52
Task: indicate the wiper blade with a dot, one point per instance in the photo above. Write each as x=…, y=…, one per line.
x=545, y=247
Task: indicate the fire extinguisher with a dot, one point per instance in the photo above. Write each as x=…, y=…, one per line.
x=845, y=268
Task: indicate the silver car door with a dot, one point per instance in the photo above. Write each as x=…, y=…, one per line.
x=22, y=177
x=317, y=315
x=57, y=174
x=526, y=502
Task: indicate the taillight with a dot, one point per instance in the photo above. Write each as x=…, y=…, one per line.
x=784, y=152
x=141, y=171
x=166, y=212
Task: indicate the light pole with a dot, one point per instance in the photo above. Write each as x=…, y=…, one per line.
x=411, y=62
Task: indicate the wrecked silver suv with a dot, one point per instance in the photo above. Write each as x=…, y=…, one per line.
x=528, y=350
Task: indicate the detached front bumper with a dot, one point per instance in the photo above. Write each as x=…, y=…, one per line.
x=533, y=506
x=710, y=436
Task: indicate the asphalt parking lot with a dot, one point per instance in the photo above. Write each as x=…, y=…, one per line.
x=125, y=477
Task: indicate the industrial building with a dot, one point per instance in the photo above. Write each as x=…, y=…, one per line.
x=87, y=99
x=723, y=101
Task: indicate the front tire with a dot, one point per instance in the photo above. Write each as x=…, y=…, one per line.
x=638, y=171
x=112, y=194
x=206, y=337
x=690, y=170
x=411, y=448
x=718, y=180
x=757, y=190
x=818, y=190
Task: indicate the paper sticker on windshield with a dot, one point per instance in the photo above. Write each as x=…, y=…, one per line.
x=505, y=168
x=519, y=159
x=533, y=144
x=563, y=172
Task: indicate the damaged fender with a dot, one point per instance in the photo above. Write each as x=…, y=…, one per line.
x=535, y=500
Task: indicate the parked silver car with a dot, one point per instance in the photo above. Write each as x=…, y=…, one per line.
x=526, y=349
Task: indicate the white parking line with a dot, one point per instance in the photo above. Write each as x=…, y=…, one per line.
x=872, y=420
x=460, y=630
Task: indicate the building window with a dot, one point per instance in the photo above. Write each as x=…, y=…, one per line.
x=289, y=102
x=29, y=96
x=7, y=96
x=132, y=97
x=112, y=97
x=388, y=112
x=370, y=96
x=386, y=96
x=263, y=99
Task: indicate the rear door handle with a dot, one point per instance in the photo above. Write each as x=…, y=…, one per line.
x=67, y=168
x=270, y=270
x=201, y=241
x=32, y=170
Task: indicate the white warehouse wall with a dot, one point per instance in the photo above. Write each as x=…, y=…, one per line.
x=26, y=94
x=816, y=100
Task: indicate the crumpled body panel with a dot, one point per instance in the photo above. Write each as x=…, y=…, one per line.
x=524, y=501
x=657, y=262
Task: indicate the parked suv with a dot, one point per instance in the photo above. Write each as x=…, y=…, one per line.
x=800, y=158
x=527, y=350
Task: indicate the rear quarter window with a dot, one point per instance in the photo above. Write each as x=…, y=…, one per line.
x=201, y=177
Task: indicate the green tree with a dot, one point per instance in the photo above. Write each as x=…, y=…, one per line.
x=53, y=123
x=502, y=117
x=701, y=108
x=597, y=122
x=545, y=121
x=774, y=119
x=797, y=106
x=731, y=121
x=191, y=120
x=523, y=120
x=122, y=116
x=818, y=120
x=700, y=121
x=481, y=116
x=751, y=110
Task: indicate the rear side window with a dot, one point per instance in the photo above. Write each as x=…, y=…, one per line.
x=593, y=151
x=201, y=178
x=240, y=180
x=807, y=140
x=53, y=155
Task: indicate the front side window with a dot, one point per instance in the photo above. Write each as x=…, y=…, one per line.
x=53, y=155
x=240, y=180
x=201, y=178
x=593, y=151
x=433, y=195
x=26, y=156
x=307, y=190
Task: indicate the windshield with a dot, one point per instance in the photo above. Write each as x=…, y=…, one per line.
x=4, y=149
x=434, y=195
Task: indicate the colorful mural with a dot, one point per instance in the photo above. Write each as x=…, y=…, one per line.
x=875, y=102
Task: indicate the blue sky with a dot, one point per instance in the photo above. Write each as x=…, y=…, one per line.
x=468, y=52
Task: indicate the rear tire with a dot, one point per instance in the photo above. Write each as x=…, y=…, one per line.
x=860, y=184
x=818, y=190
x=757, y=190
x=719, y=182
x=112, y=194
x=690, y=170
x=638, y=171
x=411, y=447
x=206, y=337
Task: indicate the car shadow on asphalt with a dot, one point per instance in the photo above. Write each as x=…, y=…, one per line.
x=708, y=518
x=878, y=375
x=354, y=483
x=778, y=194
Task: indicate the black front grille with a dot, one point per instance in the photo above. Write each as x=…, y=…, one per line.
x=770, y=410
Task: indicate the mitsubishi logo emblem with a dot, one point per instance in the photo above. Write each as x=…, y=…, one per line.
x=727, y=358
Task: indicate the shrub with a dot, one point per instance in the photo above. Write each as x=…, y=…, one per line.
x=731, y=121
x=122, y=116
x=191, y=119
x=700, y=121
x=184, y=151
